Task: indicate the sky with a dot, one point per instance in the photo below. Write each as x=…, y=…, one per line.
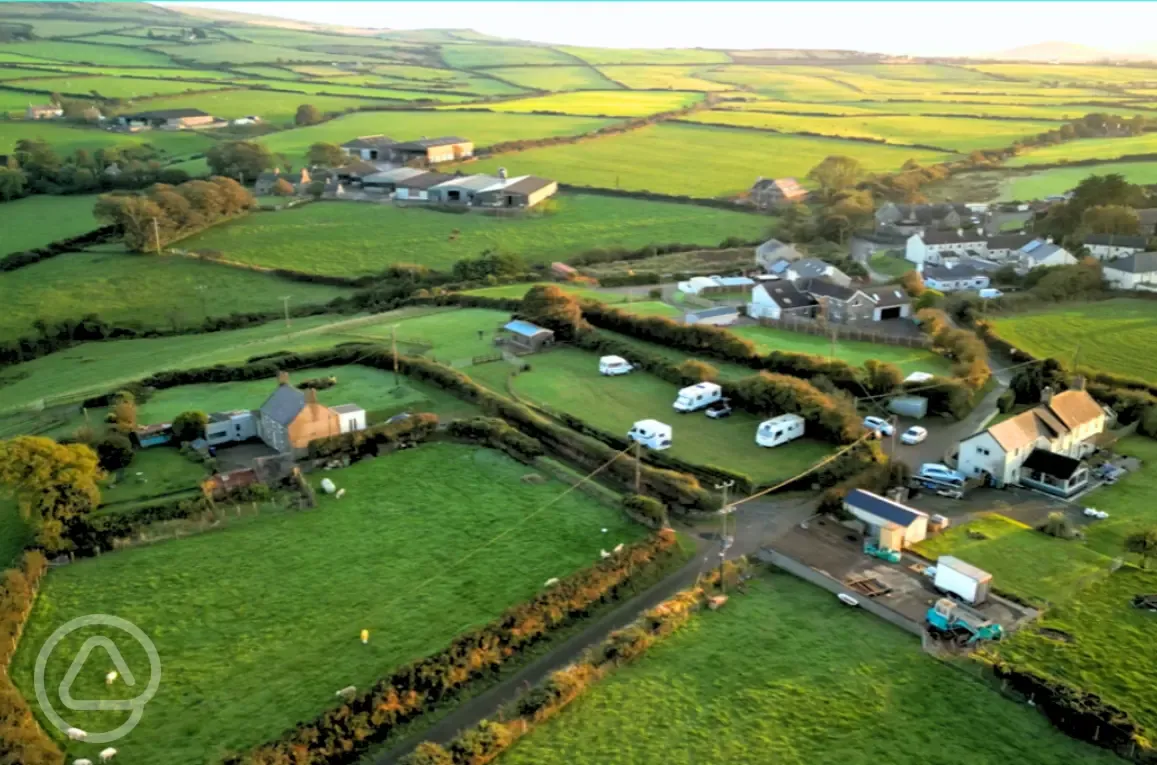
x=901, y=28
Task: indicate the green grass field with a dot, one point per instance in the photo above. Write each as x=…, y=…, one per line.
x=612, y=103
x=662, y=77
x=39, y=220
x=154, y=472
x=852, y=351
x=66, y=140
x=83, y=53
x=956, y=134
x=1070, y=73
x=380, y=91
x=476, y=56
x=554, y=77
x=448, y=336
x=145, y=290
x=519, y=291
x=788, y=672
x=150, y=72
x=569, y=381
x=113, y=87
x=1103, y=335
x=231, y=52
x=269, y=105
x=641, y=159
x=341, y=238
x=601, y=56
x=1059, y=180
x=1087, y=148
x=255, y=639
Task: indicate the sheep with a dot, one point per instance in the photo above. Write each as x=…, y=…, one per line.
x=107, y=754
x=340, y=493
x=604, y=554
x=347, y=693
x=111, y=677
x=76, y=734
x=604, y=531
x=618, y=548
x=551, y=582
x=82, y=762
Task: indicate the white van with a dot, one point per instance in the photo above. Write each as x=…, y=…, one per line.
x=651, y=434
x=779, y=430
x=614, y=365
x=695, y=397
x=989, y=293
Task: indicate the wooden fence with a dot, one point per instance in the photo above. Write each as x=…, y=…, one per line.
x=847, y=332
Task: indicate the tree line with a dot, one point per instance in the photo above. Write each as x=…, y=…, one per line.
x=35, y=167
x=163, y=213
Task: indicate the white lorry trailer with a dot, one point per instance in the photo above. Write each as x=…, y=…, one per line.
x=955, y=577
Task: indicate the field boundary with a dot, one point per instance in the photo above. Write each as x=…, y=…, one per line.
x=847, y=332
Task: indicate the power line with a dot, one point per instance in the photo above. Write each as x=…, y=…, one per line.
x=811, y=469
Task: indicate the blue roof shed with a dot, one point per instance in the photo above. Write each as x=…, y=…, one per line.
x=525, y=328
x=884, y=508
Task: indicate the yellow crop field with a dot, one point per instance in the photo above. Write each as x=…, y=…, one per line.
x=594, y=103
x=1069, y=73
x=662, y=77
x=554, y=77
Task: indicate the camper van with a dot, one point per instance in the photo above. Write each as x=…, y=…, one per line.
x=651, y=434
x=779, y=430
x=614, y=365
x=695, y=397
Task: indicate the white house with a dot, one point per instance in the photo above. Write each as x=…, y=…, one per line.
x=930, y=246
x=1042, y=448
x=891, y=525
x=351, y=417
x=1135, y=272
x=1004, y=246
x=954, y=277
x=890, y=302
x=1112, y=246
x=1039, y=254
x=780, y=299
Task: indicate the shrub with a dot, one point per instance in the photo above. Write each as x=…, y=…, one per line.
x=189, y=426
x=114, y=452
x=655, y=294
x=1058, y=525
x=651, y=509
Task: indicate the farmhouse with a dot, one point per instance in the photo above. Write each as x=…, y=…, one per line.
x=43, y=112
x=774, y=251
x=1042, y=448
x=954, y=277
x=931, y=246
x=1039, y=253
x=840, y=304
x=167, y=119
x=432, y=150
x=371, y=148
x=891, y=525
x=1135, y=272
x=779, y=299
x=524, y=337
x=291, y=418
x=888, y=303
x=718, y=316
x=814, y=268
x=1110, y=246
x=773, y=192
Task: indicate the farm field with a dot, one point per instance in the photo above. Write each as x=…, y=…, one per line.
x=145, y=290
x=601, y=56
x=66, y=140
x=774, y=672
x=662, y=77
x=231, y=52
x=1030, y=111
x=554, y=77
x=271, y=106
x=962, y=134
x=113, y=87
x=84, y=53
x=640, y=160
x=478, y=56
x=796, y=107
x=451, y=337
x=1108, y=334
x=1070, y=73
x=568, y=380
x=614, y=103
x=141, y=72
x=1043, y=183
x=366, y=239
x=254, y=642
x=518, y=291
x=786, y=83
x=852, y=351
x=154, y=472
x=1087, y=148
x=39, y=220
x=379, y=91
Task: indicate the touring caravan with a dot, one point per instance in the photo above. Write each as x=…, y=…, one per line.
x=695, y=397
x=779, y=430
x=614, y=365
x=651, y=434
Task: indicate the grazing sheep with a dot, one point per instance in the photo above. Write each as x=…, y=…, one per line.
x=340, y=493
x=604, y=531
x=82, y=762
x=76, y=734
x=604, y=554
x=107, y=754
x=347, y=693
x=618, y=548
x=111, y=677
x=551, y=582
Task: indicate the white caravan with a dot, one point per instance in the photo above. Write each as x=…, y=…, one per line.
x=696, y=397
x=651, y=434
x=779, y=430
x=614, y=365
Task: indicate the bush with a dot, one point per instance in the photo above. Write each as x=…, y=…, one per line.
x=655, y=294
x=374, y=440
x=1007, y=401
x=114, y=452
x=645, y=507
x=189, y=426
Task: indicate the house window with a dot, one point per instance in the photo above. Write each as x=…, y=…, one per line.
x=985, y=452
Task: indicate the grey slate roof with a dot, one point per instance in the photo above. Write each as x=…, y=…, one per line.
x=1038, y=250
x=708, y=313
x=951, y=237
x=883, y=507
x=527, y=185
x=369, y=142
x=824, y=288
x=812, y=268
x=787, y=295
x=944, y=273
x=1117, y=240
x=284, y=405
x=1137, y=263
x=424, y=181
x=886, y=297
x=1009, y=241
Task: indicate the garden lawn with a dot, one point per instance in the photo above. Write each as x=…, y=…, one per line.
x=143, y=290
x=854, y=352
x=554, y=77
x=66, y=140
x=788, y=672
x=1046, y=183
x=345, y=239
x=39, y=220
x=595, y=103
x=154, y=472
x=640, y=160
x=653, y=308
x=568, y=380
x=1107, y=335
x=257, y=624
x=891, y=265
x=1087, y=148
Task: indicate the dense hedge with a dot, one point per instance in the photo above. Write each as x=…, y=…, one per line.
x=344, y=734
x=374, y=440
x=21, y=739
x=496, y=434
x=17, y=260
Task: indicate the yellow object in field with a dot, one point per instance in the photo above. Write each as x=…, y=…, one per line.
x=365, y=636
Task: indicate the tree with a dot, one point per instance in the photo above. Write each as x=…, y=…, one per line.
x=53, y=483
x=880, y=377
x=316, y=189
x=1143, y=544
x=282, y=188
x=835, y=173
x=12, y=184
x=326, y=155
x=240, y=159
x=1110, y=219
x=307, y=114
x=114, y=451
x=135, y=215
x=696, y=371
x=549, y=306
x=124, y=413
x=189, y=426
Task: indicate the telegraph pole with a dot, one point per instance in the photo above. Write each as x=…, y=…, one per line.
x=157, y=235
x=394, y=351
x=285, y=304
x=724, y=541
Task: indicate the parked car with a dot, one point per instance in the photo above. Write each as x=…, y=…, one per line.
x=942, y=473
x=1109, y=473
x=913, y=435
x=879, y=425
x=720, y=409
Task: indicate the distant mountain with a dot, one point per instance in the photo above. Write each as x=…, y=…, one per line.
x=1069, y=53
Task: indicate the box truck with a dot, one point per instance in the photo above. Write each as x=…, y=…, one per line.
x=695, y=397
x=779, y=430
x=955, y=577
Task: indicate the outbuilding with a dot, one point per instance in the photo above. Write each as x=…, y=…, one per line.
x=525, y=337
x=719, y=316
x=894, y=526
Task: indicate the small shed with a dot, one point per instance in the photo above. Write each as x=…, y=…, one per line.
x=525, y=337
x=894, y=526
x=350, y=417
x=718, y=316
x=153, y=435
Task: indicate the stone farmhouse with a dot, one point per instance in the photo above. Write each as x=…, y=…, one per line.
x=776, y=192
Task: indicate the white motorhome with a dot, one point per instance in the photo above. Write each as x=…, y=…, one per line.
x=695, y=397
x=614, y=365
x=651, y=434
x=779, y=430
